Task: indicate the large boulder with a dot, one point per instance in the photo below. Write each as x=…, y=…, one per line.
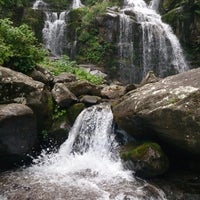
x=168, y=110
x=18, y=132
x=16, y=87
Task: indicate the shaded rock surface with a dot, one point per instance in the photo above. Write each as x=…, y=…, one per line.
x=18, y=132
x=168, y=110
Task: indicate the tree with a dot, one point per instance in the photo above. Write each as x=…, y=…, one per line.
x=18, y=47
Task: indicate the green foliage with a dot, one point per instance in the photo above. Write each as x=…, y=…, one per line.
x=44, y=134
x=58, y=113
x=65, y=65
x=19, y=48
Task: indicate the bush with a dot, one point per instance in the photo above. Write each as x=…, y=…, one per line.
x=65, y=65
x=19, y=48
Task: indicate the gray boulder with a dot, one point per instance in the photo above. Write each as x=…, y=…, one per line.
x=168, y=110
x=62, y=95
x=18, y=132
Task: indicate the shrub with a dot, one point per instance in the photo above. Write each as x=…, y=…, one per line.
x=65, y=65
x=19, y=48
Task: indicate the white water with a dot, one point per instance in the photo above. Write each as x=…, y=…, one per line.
x=160, y=48
x=87, y=166
x=53, y=32
x=76, y=4
x=39, y=4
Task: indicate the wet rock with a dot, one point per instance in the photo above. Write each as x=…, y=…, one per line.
x=62, y=95
x=168, y=110
x=18, y=132
x=59, y=130
x=74, y=111
x=146, y=160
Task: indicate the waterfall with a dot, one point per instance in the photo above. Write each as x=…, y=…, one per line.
x=53, y=32
x=39, y=4
x=87, y=166
x=159, y=47
x=54, y=28
x=76, y=4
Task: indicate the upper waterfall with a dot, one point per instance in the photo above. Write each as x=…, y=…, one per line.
x=159, y=49
x=76, y=4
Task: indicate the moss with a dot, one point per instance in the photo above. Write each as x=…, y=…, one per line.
x=74, y=111
x=133, y=152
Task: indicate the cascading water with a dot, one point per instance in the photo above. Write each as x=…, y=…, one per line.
x=76, y=4
x=87, y=166
x=159, y=47
x=39, y=4
x=53, y=32
x=55, y=27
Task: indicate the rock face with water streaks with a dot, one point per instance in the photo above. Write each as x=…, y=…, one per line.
x=17, y=132
x=168, y=110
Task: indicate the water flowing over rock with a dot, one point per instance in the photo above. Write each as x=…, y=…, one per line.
x=159, y=47
x=86, y=166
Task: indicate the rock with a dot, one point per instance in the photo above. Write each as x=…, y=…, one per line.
x=16, y=87
x=62, y=95
x=113, y=91
x=42, y=75
x=146, y=160
x=168, y=110
x=64, y=77
x=59, y=130
x=74, y=111
x=18, y=132
x=149, y=78
x=130, y=87
x=90, y=99
x=84, y=87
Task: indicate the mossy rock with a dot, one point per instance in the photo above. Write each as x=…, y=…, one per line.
x=74, y=111
x=146, y=160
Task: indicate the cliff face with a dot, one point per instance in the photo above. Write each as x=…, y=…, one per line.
x=184, y=17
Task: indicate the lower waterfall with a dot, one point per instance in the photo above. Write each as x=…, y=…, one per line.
x=86, y=167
